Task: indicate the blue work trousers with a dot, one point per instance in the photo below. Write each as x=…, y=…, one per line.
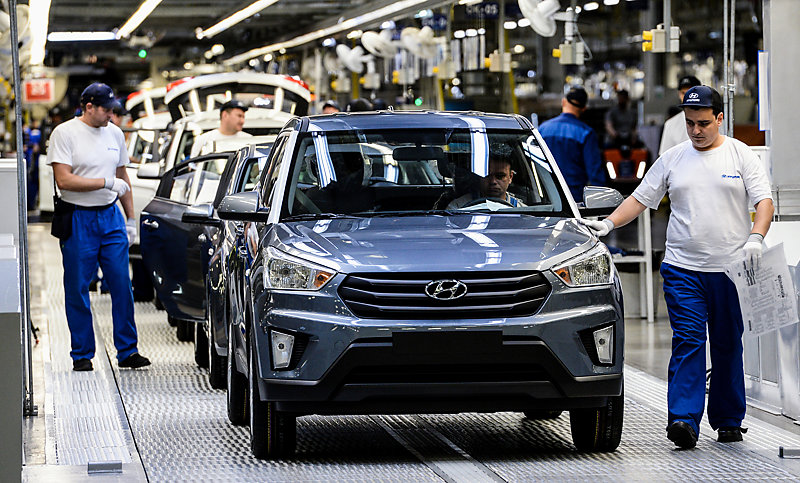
x=98, y=236
x=696, y=301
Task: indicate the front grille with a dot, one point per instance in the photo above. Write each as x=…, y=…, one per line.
x=402, y=295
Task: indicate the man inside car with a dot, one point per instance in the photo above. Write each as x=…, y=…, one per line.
x=231, y=123
x=493, y=186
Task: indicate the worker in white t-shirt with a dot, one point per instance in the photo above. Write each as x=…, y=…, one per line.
x=674, y=131
x=231, y=122
x=88, y=158
x=712, y=180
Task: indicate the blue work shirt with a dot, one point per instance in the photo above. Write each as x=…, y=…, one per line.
x=576, y=151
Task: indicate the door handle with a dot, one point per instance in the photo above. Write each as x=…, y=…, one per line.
x=151, y=224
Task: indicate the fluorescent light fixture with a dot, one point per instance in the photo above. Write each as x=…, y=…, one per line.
x=329, y=42
x=591, y=6
x=524, y=22
x=472, y=33
x=235, y=18
x=343, y=26
x=141, y=13
x=39, y=15
x=510, y=25
x=610, y=2
x=469, y=2
x=389, y=24
x=268, y=58
x=80, y=36
x=519, y=49
x=481, y=31
x=459, y=34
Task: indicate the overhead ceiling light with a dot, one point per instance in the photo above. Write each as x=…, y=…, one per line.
x=524, y=22
x=268, y=58
x=519, y=49
x=472, y=33
x=141, y=13
x=341, y=25
x=355, y=34
x=389, y=24
x=481, y=31
x=80, y=36
x=235, y=18
x=459, y=34
x=591, y=6
x=329, y=42
x=39, y=15
x=510, y=25
x=469, y=2
x=610, y=2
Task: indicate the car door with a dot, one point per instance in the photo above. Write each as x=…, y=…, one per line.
x=176, y=253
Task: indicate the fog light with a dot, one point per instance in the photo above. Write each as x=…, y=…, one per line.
x=604, y=344
x=282, y=345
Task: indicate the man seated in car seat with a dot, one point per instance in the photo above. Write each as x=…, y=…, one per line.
x=493, y=186
x=347, y=193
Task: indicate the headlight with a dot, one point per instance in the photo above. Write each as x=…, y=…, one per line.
x=590, y=268
x=285, y=272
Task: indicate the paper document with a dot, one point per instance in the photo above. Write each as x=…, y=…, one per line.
x=766, y=295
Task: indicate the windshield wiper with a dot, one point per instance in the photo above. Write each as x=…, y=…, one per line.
x=316, y=216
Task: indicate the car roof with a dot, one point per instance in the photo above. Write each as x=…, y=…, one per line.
x=344, y=121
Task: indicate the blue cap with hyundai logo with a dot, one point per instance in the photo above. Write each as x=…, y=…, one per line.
x=702, y=96
x=98, y=94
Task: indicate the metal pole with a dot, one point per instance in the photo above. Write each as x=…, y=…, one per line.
x=732, y=74
x=28, y=408
x=725, y=107
x=667, y=17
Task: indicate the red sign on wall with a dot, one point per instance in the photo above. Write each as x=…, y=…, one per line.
x=35, y=91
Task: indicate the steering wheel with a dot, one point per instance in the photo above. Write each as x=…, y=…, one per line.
x=483, y=200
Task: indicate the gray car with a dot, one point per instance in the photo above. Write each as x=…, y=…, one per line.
x=421, y=262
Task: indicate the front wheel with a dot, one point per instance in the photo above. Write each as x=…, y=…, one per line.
x=200, y=346
x=272, y=433
x=598, y=429
x=237, y=386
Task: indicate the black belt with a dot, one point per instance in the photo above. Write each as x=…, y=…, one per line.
x=95, y=208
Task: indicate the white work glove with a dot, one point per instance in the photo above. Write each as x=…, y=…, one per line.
x=753, y=250
x=117, y=185
x=599, y=228
x=130, y=227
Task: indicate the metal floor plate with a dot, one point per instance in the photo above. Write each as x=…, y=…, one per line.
x=181, y=432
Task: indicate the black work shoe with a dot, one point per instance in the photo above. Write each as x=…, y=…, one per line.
x=82, y=365
x=134, y=361
x=730, y=434
x=680, y=433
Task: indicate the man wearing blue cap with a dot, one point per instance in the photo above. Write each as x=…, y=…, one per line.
x=711, y=180
x=574, y=144
x=88, y=157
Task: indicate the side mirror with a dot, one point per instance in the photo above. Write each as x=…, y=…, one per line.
x=242, y=207
x=600, y=201
x=201, y=214
x=149, y=171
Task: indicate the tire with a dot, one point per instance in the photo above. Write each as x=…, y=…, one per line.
x=160, y=306
x=200, y=346
x=185, y=330
x=217, y=364
x=598, y=429
x=272, y=433
x=237, y=387
x=542, y=413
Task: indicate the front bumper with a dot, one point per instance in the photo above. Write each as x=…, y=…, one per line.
x=382, y=376
x=351, y=365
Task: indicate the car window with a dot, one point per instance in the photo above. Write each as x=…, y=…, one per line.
x=275, y=159
x=252, y=170
x=373, y=171
x=197, y=182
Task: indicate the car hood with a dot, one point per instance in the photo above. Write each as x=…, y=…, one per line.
x=420, y=243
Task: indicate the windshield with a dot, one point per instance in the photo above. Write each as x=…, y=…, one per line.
x=369, y=173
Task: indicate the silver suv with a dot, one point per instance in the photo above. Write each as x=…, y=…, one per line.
x=421, y=262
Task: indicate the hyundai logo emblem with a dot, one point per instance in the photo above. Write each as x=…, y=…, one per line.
x=446, y=289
